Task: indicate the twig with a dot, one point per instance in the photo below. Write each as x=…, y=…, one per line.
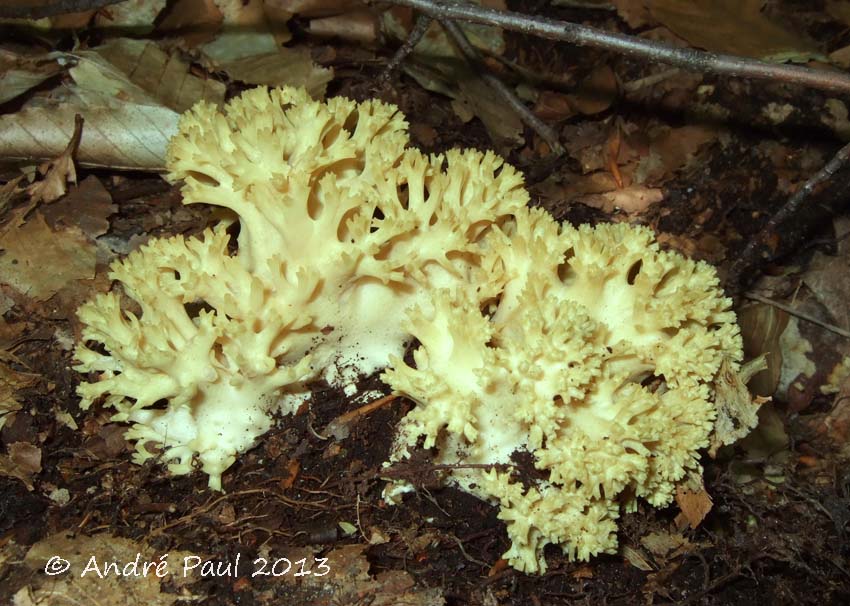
x=755, y=249
x=363, y=410
x=798, y=314
x=582, y=35
x=423, y=22
x=471, y=55
x=60, y=7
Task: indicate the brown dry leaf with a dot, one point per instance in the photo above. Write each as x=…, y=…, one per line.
x=671, y=149
x=839, y=10
x=315, y=8
x=359, y=26
x=833, y=426
x=18, y=74
x=828, y=276
x=87, y=206
x=8, y=192
x=666, y=544
x=22, y=462
x=195, y=22
x=761, y=328
x=11, y=381
x=348, y=582
x=249, y=49
x=118, y=135
x=636, y=558
x=132, y=16
x=737, y=410
x=596, y=92
x=736, y=27
x=398, y=22
x=286, y=66
x=127, y=126
x=633, y=12
x=553, y=107
x=165, y=77
x=70, y=588
x=695, y=505
x=633, y=199
x=38, y=262
x=472, y=96
x=60, y=172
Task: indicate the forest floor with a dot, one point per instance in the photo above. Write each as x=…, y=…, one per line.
x=704, y=160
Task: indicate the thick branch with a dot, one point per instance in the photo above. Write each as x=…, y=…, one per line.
x=635, y=47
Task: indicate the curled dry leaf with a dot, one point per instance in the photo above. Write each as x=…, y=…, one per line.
x=761, y=328
x=737, y=410
x=59, y=172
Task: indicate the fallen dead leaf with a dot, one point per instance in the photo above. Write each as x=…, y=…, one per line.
x=19, y=74
x=472, y=96
x=348, y=582
x=665, y=545
x=636, y=558
x=736, y=27
x=195, y=22
x=632, y=199
x=11, y=381
x=59, y=172
x=761, y=328
x=137, y=16
x=828, y=276
x=249, y=49
x=285, y=66
x=22, y=462
x=737, y=410
x=633, y=12
x=87, y=206
x=695, y=505
x=359, y=26
x=37, y=261
x=165, y=78
x=596, y=92
x=73, y=587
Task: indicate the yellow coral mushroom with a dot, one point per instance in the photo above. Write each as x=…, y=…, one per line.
x=589, y=348
x=338, y=224
x=596, y=359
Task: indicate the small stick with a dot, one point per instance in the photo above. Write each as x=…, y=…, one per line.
x=582, y=35
x=755, y=247
x=471, y=55
x=423, y=22
x=798, y=314
x=363, y=410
